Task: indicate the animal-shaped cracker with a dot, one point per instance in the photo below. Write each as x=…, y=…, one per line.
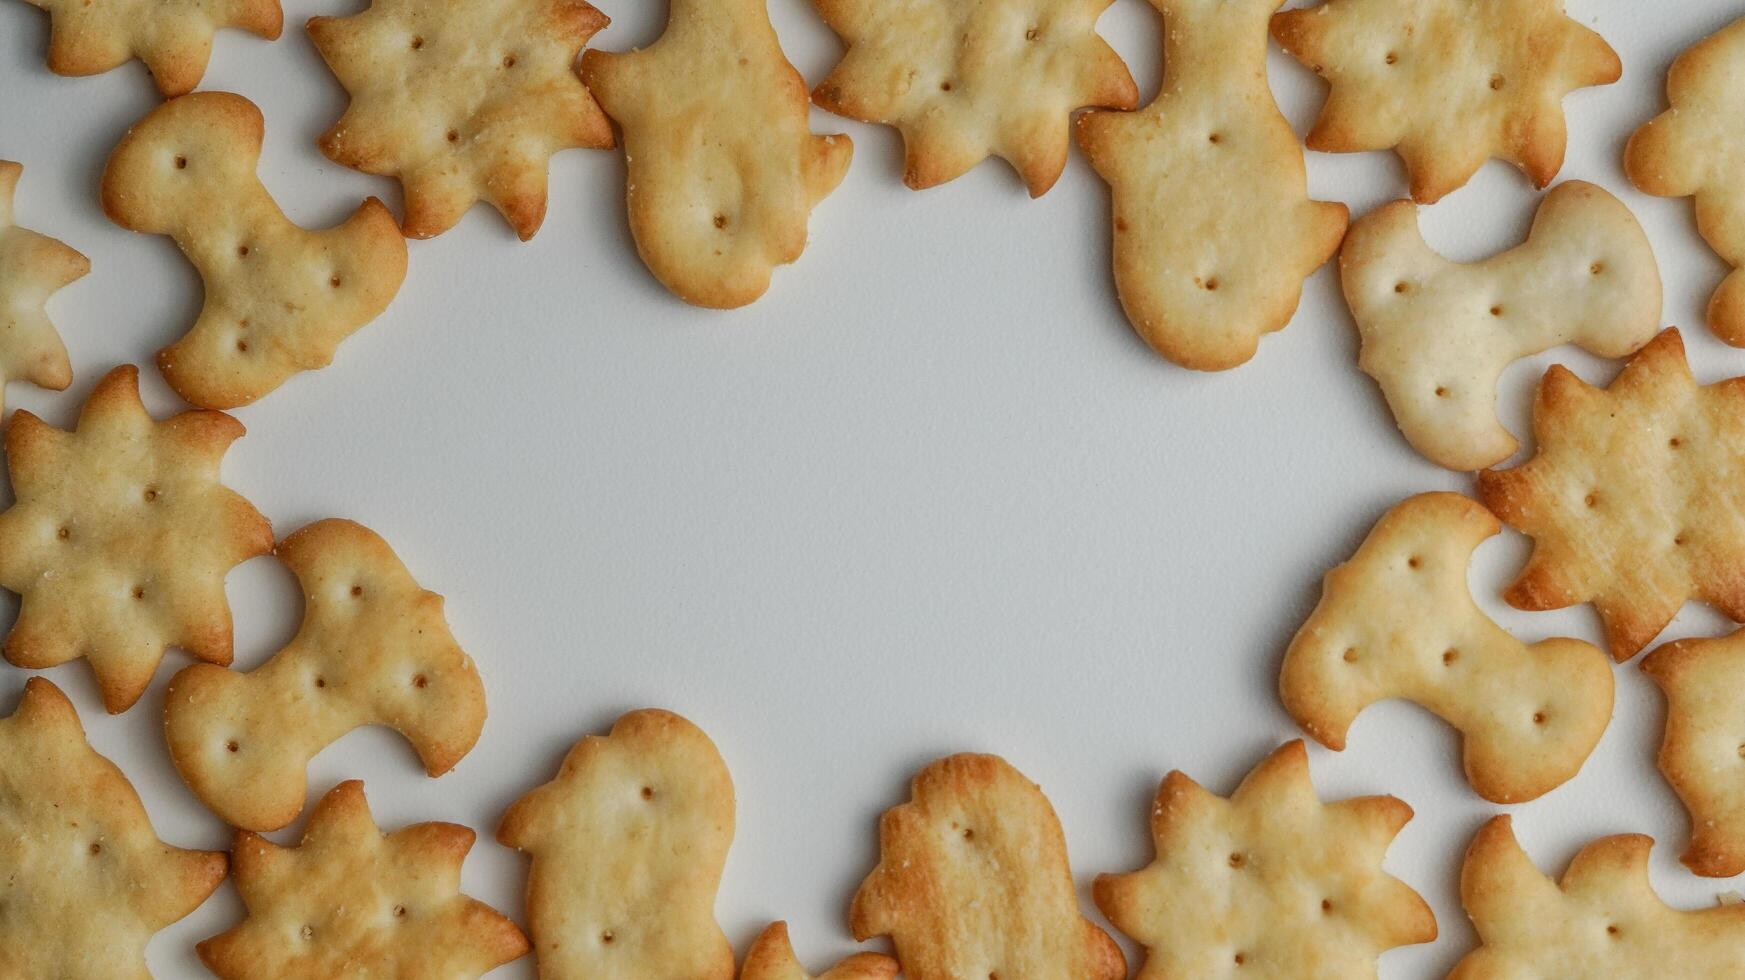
x=1438, y=334
x=972, y=881
x=374, y=649
x=1602, y=921
x=628, y=843
x=723, y=170
x=120, y=537
x=351, y=901
x=1271, y=883
x=1214, y=230
x=1397, y=621
x=1447, y=84
x=962, y=81
x=463, y=101
x=1695, y=149
x=84, y=881
x=172, y=37
x=32, y=268
x=1704, y=681
x=771, y=957
x=279, y=298
x=1636, y=500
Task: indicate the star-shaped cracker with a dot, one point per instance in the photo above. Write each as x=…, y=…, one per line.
x=32, y=268
x=279, y=298
x=84, y=881
x=723, y=168
x=1602, y=920
x=1703, y=753
x=771, y=957
x=374, y=649
x=172, y=37
x=1214, y=229
x=463, y=101
x=972, y=881
x=1695, y=149
x=1447, y=84
x=120, y=538
x=1636, y=500
x=962, y=81
x=1271, y=882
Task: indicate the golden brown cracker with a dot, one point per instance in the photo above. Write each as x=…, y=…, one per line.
x=172, y=37
x=1704, y=682
x=32, y=268
x=771, y=957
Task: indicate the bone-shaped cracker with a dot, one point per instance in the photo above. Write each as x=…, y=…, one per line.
x=723, y=170
x=771, y=957
x=1704, y=681
x=32, y=268
x=1437, y=335
x=1602, y=920
x=172, y=37
x=628, y=844
x=351, y=901
x=1397, y=621
x=1270, y=883
x=84, y=881
x=962, y=81
x=279, y=298
x=972, y=881
x=373, y=649
x=1214, y=229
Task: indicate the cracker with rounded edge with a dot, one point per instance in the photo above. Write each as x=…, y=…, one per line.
x=771, y=957
x=1214, y=229
x=279, y=298
x=374, y=649
x=628, y=844
x=972, y=881
x=963, y=81
x=723, y=169
x=1704, y=682
x=1695, y=149
x=172, y=37
x=462, y=101
x=1602, y=920
x=1270, y=883
x=1437, y=334
x=1447, y=84
x=120, y=537
x=351, y=901
x=1636, y=500
x=32, y=268
x=84, y=880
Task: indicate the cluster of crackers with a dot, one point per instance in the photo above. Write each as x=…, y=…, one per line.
x=122, y=532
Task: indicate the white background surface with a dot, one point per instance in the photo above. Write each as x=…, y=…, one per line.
x=930, y=494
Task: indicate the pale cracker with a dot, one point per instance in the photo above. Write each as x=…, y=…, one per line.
x=373, y=649
x=771, y=957
x=1270, y=884
x=172, y=37
x=1704, y=681
x=972, y=881
x=1214, y=229
x=628, y=844
x=279, y=298
x=1437, y=335
x=32, y=268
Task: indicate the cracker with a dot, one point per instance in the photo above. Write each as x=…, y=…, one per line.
x=32, y=268
x=972, y=881
x=1693, y=150
x=1704, y=682
x=1602, y=920
x=279, y=298
x=1437, y=335
x=963, y=81
x=84, y=880
x=1214, y=229
x=172, y=37
x=120, y=537
x=1447, y=84
x=771, y=957
x=351, y=901
x=723, y=170
x=1271, y=881
x=373, y=649
x=462, y=101
x=1636, y=500
x=1397, y=621
x=628, y=844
